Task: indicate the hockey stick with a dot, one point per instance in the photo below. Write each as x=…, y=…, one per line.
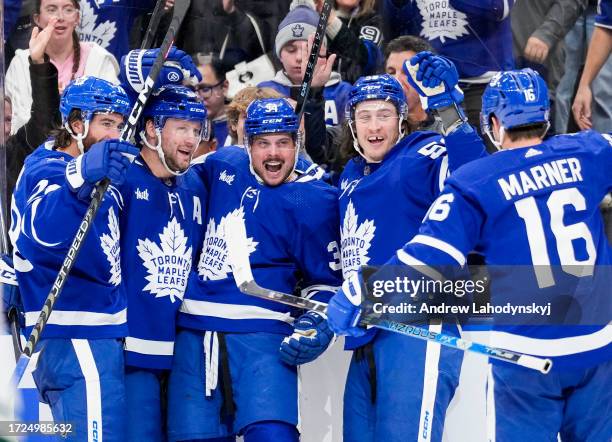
x=312, y=59
x=180, y=9
x=156, y=16
x=236, y=239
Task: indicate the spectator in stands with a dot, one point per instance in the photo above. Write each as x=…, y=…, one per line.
x=45, y=107
x=212, y=90
x=354, y=33
x=538, y=30
x=108, y=23
x=221, y=27
x=474, y=34
x=73, y=59
x=398, y=51
x=292, y=50
x=236, y=110
x=593, y=108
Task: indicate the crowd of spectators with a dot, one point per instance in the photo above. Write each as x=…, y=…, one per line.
x=482, y=37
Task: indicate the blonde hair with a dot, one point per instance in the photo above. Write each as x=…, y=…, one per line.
x=242, y=100
x=365, y=7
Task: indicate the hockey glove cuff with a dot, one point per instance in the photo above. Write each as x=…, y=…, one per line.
x=344, y=308
x=311, y=337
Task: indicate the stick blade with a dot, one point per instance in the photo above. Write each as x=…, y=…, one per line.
x=237, y=248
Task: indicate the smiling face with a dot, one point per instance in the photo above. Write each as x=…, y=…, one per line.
x=376, y=126
x=103, y=126
x=179, y=139
x=67, y=13
x=273, y=157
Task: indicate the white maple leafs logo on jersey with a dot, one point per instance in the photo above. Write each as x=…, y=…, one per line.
x=440, y=20
x=355, y=241
x=111, y=248
x=89, y=32
x=214, y=263
x=168, y=266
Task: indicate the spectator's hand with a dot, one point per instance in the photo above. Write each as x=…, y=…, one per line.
x=61, y=86
x=39, y=41
x=229, y=6
x=582, y=107
x=323, y=68
x=135, y=67
x=536, y=50
x=436, y=80
x=168, y=5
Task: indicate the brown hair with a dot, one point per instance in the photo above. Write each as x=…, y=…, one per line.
x=61, y=134
x=527, y=132
x=76, y=47
x=242, y=100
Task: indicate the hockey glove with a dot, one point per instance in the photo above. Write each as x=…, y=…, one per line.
x=135, y=67
x=11, y=299
x=344, y=308
x=436, y=80
x=311, y=337
x=106, y=159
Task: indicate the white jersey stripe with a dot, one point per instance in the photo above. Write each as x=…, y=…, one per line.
x=65, y=317
x=552, y=347
x=92, y=389
x=149, y=346
x=430, y=386
x=232, y=311
x=420, y=266
x=442, y=246
x=444, y=173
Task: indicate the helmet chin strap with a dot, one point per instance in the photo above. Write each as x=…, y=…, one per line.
x=160, y=151
x=502, y=135
x=78, y=137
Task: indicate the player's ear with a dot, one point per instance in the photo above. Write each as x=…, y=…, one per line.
x=150, y=129
x=495, y=126
x=77, y=126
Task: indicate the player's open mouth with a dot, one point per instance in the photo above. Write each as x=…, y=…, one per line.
x=375, y=140
x=184, y=152
x=273, y=166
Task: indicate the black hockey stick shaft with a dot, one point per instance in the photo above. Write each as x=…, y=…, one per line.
x=312, y=59
x=156, y=15
x=180, y=9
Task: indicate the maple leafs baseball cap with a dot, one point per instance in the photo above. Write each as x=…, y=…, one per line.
x=298, y=24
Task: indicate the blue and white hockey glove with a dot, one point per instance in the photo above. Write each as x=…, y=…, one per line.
x=436, y=80
x=311, y=337
x=136, y=64
x=344, y=308
x=106, y=159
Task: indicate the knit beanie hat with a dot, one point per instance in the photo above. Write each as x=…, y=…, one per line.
x=298, y=24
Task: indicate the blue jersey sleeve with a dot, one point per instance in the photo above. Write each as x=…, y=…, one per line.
x=462, y=146
x=489, y=9
x=450, y=230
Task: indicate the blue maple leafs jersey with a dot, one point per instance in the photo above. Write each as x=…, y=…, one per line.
x=474, y=34
x=160, y=223
x=292, y=234
x=536, y=208
x=107, y=23
x=45, y=216
x=382, y=205
x=604, y=14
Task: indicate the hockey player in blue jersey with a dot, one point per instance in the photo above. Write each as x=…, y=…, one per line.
x=533, y=205
x=160, y=227
x=80, y=365
x=228, y=376
x=386, y=189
